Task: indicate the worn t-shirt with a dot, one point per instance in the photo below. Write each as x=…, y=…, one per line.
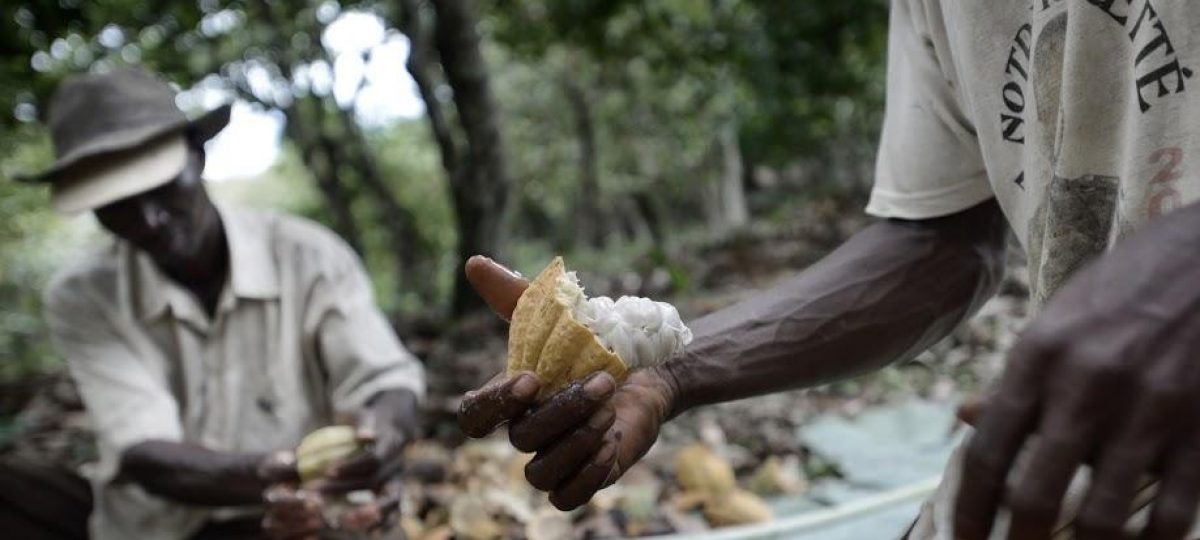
x=1079, y=116
x=296, y=341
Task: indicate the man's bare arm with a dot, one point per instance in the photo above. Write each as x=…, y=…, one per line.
x=192, y=474
x=195, y=475
x=889, y=292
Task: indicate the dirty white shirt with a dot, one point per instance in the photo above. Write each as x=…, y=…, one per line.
x=296, y=341
x=1079, y=116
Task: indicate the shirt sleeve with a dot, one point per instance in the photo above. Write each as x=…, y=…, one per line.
x=929, y=161
x=128, y=400
x=359, y=350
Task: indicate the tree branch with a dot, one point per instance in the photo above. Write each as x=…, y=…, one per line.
x=420, y=66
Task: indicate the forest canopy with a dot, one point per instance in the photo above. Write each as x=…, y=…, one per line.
x=633, y=129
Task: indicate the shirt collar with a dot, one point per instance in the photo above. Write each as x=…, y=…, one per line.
x=252, y=269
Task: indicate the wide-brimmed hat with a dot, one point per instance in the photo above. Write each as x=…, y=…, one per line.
x=115, y=135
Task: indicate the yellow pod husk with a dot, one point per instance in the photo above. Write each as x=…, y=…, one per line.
x=778, y=477
x=699, y=469
x=319, y=449
x=737, y=507
x=546, y=339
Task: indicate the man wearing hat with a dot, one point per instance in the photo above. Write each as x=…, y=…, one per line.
x=207, y=341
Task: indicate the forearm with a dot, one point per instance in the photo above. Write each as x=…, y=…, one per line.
x=886, y=294
x=195, y=475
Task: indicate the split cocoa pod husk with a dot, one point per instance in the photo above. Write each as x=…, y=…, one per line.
x=546, y=339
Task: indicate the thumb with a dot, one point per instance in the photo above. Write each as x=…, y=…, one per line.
x=499, y=286
x=366, y=426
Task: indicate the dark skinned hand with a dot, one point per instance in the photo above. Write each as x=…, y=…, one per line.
x=384, y=427
x=584, y=437
x=295, y=513
x=292, y=514
x=382, y=513
x=1108, y=374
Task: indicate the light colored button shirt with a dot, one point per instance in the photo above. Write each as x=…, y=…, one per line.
x=296, y=341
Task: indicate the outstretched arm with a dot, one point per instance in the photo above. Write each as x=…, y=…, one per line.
x=887, y=293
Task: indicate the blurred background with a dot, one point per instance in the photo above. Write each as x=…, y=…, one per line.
x=624, y=135
x=690, y=150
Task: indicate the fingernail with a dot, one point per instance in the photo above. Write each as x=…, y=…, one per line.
x=502, y=266
x=600, y=385
x=601, y=419
x=525, y=387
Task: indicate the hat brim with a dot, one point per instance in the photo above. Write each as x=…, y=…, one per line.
x=211, y=123
x=201, y=129
x=115, y=176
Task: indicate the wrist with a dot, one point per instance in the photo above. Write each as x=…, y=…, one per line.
x=277, y=467
x=398, y=409
x=672, y=390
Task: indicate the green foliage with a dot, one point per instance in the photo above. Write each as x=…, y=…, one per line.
x=33, y=242
x=653, y=83
x=409, y=161
x=804, y=71
x=801, y=82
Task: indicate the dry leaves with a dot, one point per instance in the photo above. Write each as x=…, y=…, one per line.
x=478, y=492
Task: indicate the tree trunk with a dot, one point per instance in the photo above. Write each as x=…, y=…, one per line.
x=631, y=222
x=589, y=229
x=336, y=151
x=304, y=124
x=648, y=167
x=644, y=202
x=480, y=185
x=472, y=156
x=733, y=190
x=420, y=65
x=391, y=216
x=318, y=157
x=724, y=196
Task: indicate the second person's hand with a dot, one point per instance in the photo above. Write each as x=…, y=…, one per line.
x=384, y=427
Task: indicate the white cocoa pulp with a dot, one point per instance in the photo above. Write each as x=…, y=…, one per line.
x=641, y=331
